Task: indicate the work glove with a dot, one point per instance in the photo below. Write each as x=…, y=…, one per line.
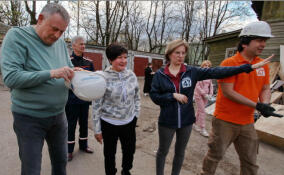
x=266, y=110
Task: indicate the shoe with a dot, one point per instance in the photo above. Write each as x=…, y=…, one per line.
x=69, y=157
x=125, y=172
x=196, y=128
x=87, y=150
x=204, y=132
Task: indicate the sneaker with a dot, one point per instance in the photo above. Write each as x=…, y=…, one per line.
x=196, y=128
x=145, y=94
x=204, y=132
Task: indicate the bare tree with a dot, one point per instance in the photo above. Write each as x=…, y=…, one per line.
x=150, y=25
x=158, y=25
x=134, y=25
x=211, y=17
x=160, y=21
x=32, y=12
x=106, y=22
x=187, y=18
x=11, y=13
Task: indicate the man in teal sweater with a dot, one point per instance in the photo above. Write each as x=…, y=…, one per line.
x=34, y=64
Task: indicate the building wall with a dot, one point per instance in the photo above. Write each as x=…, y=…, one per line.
x=156, y=64
x=140, y=63
x=137, y=60
x=273, y=11
x=273, y=44
x=97, y=59
x=218, y=49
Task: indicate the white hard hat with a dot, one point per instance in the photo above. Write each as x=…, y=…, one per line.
x=258, y=28
x=87, y=85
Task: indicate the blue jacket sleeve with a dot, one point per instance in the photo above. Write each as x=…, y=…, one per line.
x=156, y=94
x=221, y=72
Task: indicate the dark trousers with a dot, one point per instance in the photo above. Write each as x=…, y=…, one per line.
x=75, y=113
x=127, y=136
x=31, y=133
x=165, y=139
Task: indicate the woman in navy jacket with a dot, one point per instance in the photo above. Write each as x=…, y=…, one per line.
x=172, y=89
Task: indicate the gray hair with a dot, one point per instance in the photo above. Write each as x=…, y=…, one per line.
x=76, y=38
x=53, y=8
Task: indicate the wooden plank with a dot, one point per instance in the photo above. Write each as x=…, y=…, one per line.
x=271, y=130
x=276, y=84
x=210, y=109
x=274, y=69
x=275, y=96
x=281, y=73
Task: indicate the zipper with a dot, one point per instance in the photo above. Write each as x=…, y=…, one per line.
x=179, y=115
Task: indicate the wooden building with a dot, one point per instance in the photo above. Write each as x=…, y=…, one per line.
x=224, y=45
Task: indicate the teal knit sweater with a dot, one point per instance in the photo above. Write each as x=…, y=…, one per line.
x=26, y=63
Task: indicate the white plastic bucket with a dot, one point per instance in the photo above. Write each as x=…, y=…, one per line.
x=88, y=86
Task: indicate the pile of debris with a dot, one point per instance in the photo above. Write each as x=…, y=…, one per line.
x=270, y=130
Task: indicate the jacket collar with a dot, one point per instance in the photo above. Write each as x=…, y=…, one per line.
x=242, y=60
x=77, y=57
x=181, y=70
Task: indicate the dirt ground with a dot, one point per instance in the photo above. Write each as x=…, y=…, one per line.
x=270, y=159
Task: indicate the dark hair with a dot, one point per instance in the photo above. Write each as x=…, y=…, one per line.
x=246, y=40
x=149, y=64
x=114, y=50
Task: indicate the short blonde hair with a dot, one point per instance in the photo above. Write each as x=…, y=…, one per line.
x=206, y=62
x=171, y=46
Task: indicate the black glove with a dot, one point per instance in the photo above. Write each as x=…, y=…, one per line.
x=266, y=110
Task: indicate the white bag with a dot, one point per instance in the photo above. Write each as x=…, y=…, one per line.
x=87, y=85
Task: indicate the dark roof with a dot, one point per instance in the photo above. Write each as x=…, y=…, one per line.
x=222, y=36
x=4, y=28
x=257, y=6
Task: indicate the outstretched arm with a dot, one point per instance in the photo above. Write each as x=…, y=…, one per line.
x=263, y=62
x=227, y=71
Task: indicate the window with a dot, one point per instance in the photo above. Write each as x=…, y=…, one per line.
x=230, y=52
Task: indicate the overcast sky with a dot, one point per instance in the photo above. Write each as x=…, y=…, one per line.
x=231, y=25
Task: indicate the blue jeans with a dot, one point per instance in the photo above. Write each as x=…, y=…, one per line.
x=31, y=133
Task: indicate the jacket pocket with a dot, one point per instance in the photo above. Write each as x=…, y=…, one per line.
x=169, y=114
